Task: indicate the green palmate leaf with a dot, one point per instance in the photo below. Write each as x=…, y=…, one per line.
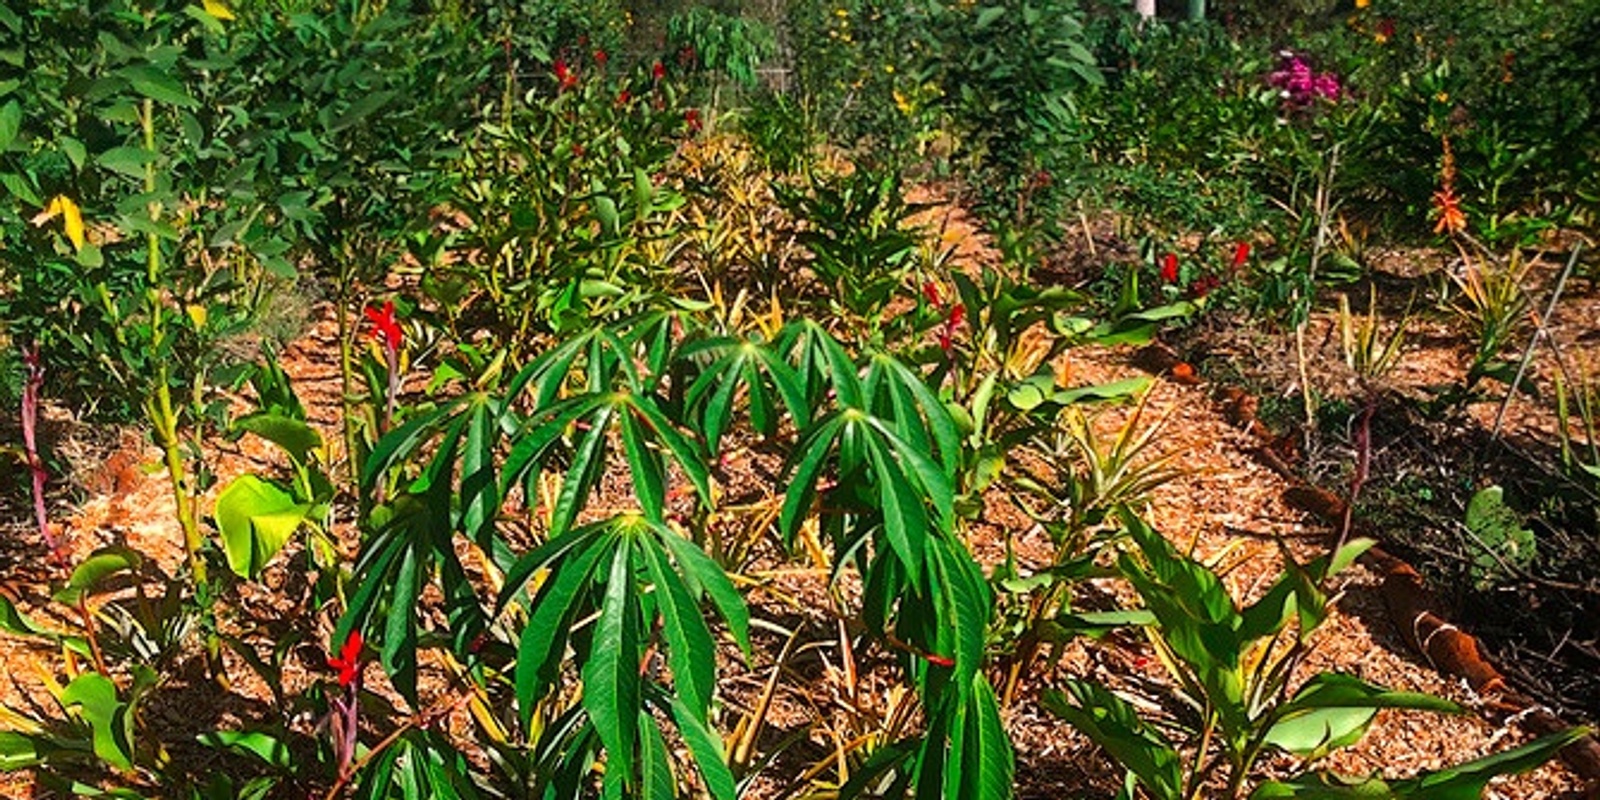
x=981, y=759
x=905, y=522
x=610, y=675
x=684, y=452
x=649, y=482
x=479, y=493
x=1113, y=724
x=654, y=760
x=703, y=575
x=587, y=463
x=706, y=747
x=256, y=518
x=544, y=638
x=398, y=650
x=293, y=435
x=94, y=698
x=690, y=650
x=814, y=446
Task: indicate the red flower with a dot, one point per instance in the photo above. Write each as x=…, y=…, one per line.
x=566, y=77
x=623, y=97
x=958, y=313
x=930, y=290
x=938, y=660
x=657, y=72
x=385, y=328
x=348, y=661
x=1241, y=253
x=600, y=58
x=691, y=118
x=1169, y=268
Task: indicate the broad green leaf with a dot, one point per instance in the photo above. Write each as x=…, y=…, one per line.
x=256, y=518
x=368, y=104
x=95, y=699
x=1468, y=781
x=129, y=161
x=158, y=85
x=295, y=437
x=10, y=124
x=100, y=564
x=18, y=751
x=270, y=749
x=13, y=621
x=1113, y=724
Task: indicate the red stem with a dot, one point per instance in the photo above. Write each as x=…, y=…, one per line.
x=30, y=418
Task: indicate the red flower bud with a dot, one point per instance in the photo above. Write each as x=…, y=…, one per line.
x=1169, y=268
x=348, y=662
x=930, y=290
x=691, y=118
x=1241, y=253
x=958, y=314
x=623, y=97
x=658, y=71
x=938, y=660
x=600, y=58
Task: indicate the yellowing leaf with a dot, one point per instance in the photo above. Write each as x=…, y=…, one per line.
x=62, y=206
x=217, y=9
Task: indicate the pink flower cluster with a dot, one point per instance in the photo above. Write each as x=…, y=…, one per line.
x=1300, y=84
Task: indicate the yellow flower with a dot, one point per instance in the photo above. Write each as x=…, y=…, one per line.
x=888, y=69
x=1363, y=3
x=841, y=13
x=1443, y=97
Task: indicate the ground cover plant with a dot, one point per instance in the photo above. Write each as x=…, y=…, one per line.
x=568, y=400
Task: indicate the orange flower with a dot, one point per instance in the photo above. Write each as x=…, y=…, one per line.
x=1447, y=207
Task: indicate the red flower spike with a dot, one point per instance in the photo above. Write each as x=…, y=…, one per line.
x=385, y=327
x=658, y=71
x=1241, y=254
x=348, y=661
x=691, y=118
x=930, y=290
x=623, y=97
x=1169, y=268
x=958, y=314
